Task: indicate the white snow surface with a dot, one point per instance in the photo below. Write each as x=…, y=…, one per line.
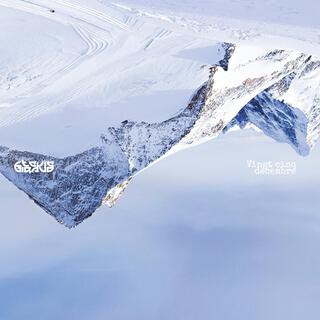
x=67, y=75
x=149, y=80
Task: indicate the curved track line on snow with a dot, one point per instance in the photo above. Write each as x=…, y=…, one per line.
x=94, y=39
x=97, y=38
x=75, y=5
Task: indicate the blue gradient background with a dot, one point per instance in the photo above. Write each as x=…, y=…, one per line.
x=196, y=236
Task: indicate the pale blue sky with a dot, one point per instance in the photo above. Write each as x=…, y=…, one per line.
x=197, y=236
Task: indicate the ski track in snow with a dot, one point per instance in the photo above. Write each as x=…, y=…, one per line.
x=95, y=35
x=108, y=40
x=118, y=38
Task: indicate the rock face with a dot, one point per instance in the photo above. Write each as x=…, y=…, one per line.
x=76, y=187
x=289, y=110
x=276, y=119
x=257, y=91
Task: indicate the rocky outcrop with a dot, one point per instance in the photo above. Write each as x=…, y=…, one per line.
x=289, y=110
x=233, y=95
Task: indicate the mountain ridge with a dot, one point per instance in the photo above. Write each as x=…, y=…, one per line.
x=81, y=183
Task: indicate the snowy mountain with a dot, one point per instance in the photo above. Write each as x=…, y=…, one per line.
x=287, y=111
x=107, y=54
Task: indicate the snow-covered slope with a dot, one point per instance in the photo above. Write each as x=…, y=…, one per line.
x=171, y=81
x=80, y=184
